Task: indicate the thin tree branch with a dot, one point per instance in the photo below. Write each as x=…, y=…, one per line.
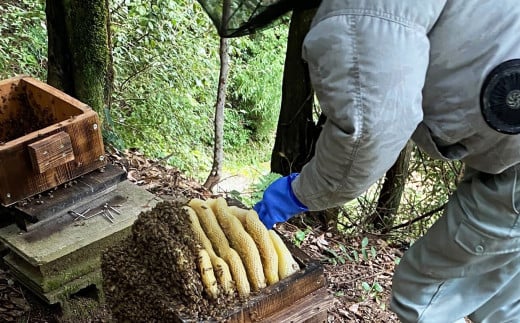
x=417, y=219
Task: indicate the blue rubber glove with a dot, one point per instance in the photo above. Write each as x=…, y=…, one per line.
x=279, y=203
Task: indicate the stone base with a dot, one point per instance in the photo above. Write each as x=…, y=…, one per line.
x=60, y=294
x=60, y=261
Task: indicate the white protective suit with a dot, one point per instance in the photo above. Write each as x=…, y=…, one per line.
x=386, y=71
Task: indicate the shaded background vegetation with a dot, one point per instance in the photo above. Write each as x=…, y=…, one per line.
x=166, y=65
x=165, y=56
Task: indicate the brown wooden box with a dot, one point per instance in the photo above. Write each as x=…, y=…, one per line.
x=301, y=297
x=46, y=138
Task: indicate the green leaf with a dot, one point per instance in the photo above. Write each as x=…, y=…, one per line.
x=364, y=242
x=373, y=252
x=332, y=252
x=300, y=235
x=356, y=255
x=366, y=286
x=377, y=287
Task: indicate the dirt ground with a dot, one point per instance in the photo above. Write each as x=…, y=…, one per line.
x=358, y=269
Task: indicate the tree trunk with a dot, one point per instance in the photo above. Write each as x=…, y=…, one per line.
x=78, y=50
x=218, y=148
x=296, y=132
x=218, y=144
x=391, y=192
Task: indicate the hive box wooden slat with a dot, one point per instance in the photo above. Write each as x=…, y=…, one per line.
x=51, y=152
x=301, y=297
x=46, y=138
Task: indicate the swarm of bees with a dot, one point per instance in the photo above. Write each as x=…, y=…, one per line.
x=194, y=259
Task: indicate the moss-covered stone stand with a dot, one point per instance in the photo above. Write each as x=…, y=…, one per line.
x=54, y=264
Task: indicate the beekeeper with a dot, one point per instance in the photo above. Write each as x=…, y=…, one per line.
x=447, y=75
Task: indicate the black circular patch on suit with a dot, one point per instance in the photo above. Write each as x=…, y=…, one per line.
x=500, y=98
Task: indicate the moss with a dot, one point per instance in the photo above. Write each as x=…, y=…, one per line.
x=51, y=277
x=81, y=262
x=80, y=309
x=86, y=23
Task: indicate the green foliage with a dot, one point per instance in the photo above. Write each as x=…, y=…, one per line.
x=365, y=251
x=263, y=182
x=167, y=68
x=337, y=257
x=372, y=290
x=342, y=253
x=236, y=133
x=255, y=87
x=23, y=39
x=300, y=236
x=258, y=189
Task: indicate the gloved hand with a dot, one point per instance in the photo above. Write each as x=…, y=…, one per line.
x=279, y=203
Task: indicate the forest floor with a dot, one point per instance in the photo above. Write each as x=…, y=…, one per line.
x=358, y=269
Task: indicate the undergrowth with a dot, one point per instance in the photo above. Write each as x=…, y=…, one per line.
x=23, y=39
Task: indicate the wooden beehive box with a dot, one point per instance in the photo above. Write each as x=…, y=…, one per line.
x=301, y=297
x=46, y=138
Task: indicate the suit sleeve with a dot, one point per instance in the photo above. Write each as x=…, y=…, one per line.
x=368, y=72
